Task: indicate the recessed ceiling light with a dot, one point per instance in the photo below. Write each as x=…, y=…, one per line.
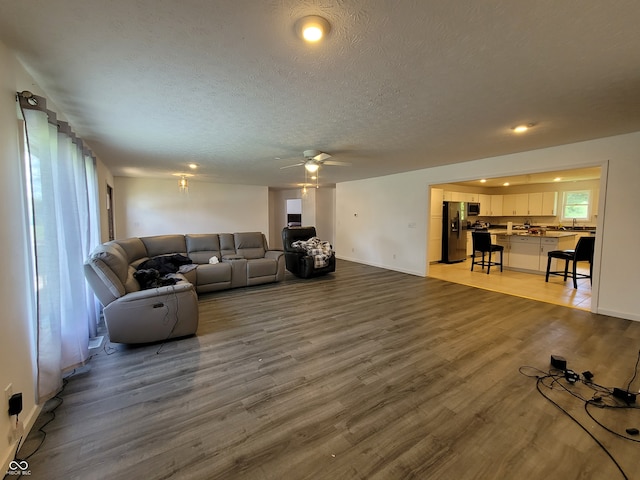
x=193, y=166
x=522, y=128
x=312, y=28
x=484, y=180
x=557, y=179
x=505, y=184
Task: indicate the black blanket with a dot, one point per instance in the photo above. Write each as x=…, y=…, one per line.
x=157, y=271
x=165, y=264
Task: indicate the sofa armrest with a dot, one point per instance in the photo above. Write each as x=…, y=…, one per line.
x=153, y=315
x=156, y=292
x=278, y=256
x=275, y=254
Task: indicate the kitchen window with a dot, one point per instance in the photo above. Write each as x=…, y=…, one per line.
x=575, y=205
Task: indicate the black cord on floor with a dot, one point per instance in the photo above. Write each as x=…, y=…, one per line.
x=53, y=417
x=604, y=449
x=41, y=428
x=635, y=372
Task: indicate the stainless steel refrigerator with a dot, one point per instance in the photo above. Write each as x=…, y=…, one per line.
x=454, y=232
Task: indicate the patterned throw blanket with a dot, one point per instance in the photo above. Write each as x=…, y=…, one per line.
x=316, y=248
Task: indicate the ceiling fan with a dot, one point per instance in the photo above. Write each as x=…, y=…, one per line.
x=314, y=159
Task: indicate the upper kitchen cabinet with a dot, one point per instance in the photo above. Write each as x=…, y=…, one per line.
x=490, y=205
x=535, y=204
x=550, y=203
x=515, y=204
x=541, y=204
x=485, y=205
x=496, y=205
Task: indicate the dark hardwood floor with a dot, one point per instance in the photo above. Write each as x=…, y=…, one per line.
x=363, y=374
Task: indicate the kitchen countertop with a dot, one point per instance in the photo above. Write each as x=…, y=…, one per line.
x=525, y=233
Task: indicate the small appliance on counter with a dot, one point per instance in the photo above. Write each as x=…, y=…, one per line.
x=478, y=225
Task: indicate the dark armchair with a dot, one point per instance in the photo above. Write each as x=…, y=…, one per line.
x=297, y=261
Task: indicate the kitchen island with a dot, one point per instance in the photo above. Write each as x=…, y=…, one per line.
x=529, y=252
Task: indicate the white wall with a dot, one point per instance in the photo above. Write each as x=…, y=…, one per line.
x=383, y=222
x=385, y=205
x=145, y=206
x=326, y=214
x=17, y=364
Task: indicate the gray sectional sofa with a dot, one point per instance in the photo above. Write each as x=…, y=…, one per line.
x=134, y=315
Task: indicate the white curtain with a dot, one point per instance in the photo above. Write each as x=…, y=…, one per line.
x=64, y=229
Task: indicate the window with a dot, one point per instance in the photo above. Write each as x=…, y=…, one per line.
x=575, y=204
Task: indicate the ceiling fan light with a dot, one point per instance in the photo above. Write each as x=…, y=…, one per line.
x=311, y=166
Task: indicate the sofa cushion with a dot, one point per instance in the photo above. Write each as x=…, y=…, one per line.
x=227, y=244
x=133, y=248
x=105, y=273
x=164, y=244
x=250, y=244
x=114, y=257
x=201, y=247
x=209, y=273
x=261, y=267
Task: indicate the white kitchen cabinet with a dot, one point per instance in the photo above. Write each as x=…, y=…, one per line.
x=509, y=204
x=485, y=205
x=435, y=238
x=437, y=197
x=549, y=203
x=530, y=204
x=515, y=204
x=504, y=240
x=535, y=204
x=524, y=252
x=496, y=205
x=549, y=244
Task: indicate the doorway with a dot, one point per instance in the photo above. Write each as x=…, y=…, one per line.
x=110, y=221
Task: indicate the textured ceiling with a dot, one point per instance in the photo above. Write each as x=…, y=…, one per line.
x=152, y=85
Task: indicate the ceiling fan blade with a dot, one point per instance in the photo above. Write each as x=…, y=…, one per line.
x=339, y=164
x=321, y=157
x=295, y=165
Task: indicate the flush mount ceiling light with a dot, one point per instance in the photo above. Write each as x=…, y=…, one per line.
x=312, y=28
x=522, y=128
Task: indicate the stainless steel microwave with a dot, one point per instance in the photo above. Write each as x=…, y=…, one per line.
x=473, y=209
